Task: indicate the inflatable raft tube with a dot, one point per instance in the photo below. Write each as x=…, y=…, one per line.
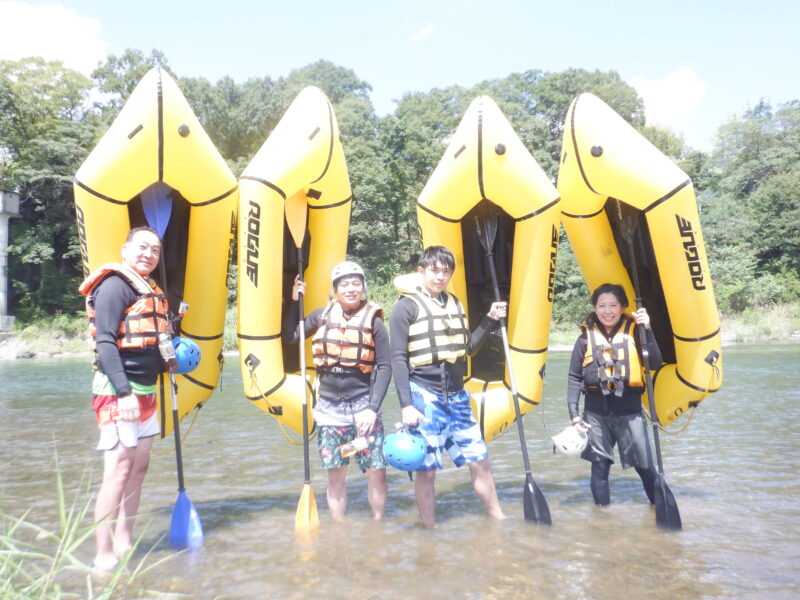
x=487, y=163
x=157, y=166
x=303, y=156
x=612, y=177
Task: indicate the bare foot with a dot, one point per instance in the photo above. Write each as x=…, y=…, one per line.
x=105, y=563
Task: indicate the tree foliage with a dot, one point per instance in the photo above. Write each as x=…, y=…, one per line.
x=45, y=133
x=748, y=187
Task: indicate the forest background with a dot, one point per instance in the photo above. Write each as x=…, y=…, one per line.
x=747, y=185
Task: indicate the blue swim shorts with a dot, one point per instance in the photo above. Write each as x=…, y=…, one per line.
x=449, y=425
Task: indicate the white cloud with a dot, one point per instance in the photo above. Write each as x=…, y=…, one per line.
x=422, y=34
x=51, y=31
x=670, y=100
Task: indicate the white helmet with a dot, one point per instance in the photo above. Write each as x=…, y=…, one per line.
x=570, y=442
x=345, y=268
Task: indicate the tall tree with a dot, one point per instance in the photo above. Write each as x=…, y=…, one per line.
x=45, y=133
x=118, y=75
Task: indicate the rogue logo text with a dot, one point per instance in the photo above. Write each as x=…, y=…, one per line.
x=692, y=255
x=253, y=230
x=551, y=280
x=82, y=237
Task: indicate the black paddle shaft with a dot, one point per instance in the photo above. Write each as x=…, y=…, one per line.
x=648, y=377
x=667, y=513
x=628, y=225
x=176, y=429
x=302, y=342
x=504, y=330
x=533, y=501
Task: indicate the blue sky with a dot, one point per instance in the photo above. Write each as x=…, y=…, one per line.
x=695, y=63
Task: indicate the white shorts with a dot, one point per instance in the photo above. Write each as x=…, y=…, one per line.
x=127, y=432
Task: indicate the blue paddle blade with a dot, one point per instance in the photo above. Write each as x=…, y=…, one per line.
x=185, y=530
x=157, y=206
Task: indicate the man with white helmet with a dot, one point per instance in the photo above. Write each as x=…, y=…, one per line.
x=350, y=347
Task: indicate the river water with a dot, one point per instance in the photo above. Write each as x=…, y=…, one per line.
x=734, y=472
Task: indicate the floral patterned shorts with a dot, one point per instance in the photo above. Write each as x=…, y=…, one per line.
x=330, y=437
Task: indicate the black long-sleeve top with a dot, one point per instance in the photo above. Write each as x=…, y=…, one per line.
x=345, y=387
x=428, y=376
x=112, y=297
x=631, y=400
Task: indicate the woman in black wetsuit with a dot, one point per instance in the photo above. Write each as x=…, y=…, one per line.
x=607, y=366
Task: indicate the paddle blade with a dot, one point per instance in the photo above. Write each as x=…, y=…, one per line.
x=157, y=206
x=296, y=208
x=534, y=505
x=667, y=514
x=185, y=530
x=306, y=517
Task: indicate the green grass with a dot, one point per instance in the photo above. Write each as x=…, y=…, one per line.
x=41, y=563
x=56, y=335
x=778, y=322
x=229, y=343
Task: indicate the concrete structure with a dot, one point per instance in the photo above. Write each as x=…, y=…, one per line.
x=9, y=207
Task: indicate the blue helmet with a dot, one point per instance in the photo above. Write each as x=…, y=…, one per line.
x=188, y=354
x=405, y=451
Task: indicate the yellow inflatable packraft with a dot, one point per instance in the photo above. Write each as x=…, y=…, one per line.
x=157, y=166
x=302, y=158
x=487, y=168
x=619, y=192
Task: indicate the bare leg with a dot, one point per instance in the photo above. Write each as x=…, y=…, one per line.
x=483, y=484
x=123, y=532
x=117, y=465
x=376, y=491
x=425, y=491
x=337, y=492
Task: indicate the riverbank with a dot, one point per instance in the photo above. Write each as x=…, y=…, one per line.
x=65, y=336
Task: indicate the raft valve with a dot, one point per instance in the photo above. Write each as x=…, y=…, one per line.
x=597, y=151
x=500, y=149
x=183, y=130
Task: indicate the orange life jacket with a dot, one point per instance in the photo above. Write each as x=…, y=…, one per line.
x=346, y=342
x=143, y=320
x=611, y=364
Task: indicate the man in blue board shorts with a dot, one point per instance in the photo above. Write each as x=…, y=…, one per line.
x=430, y=340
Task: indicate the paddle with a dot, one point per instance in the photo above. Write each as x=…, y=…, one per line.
x=306, y=517
x=157, y=207
x=667, y=514
x=533, y=502
x=185, y=530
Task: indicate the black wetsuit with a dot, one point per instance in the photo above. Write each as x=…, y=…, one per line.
x=112, y=297
x=610, y=414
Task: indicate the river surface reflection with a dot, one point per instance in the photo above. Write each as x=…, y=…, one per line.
x=734, y=472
